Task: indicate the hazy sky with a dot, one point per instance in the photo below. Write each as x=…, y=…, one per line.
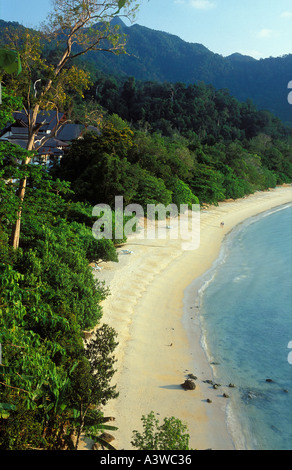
x=260, y=28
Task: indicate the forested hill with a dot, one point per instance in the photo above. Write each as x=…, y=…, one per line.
x=162, y=57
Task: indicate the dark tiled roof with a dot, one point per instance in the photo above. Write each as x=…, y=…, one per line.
x=52, y=143
x=50, y=118
x=69, y=132
x=22, y=143
x=19, y=130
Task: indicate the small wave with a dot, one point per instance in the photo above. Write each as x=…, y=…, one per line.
x=204, y=346
x=235, y=429
x=206, y=284
x=240, y=278
x=277, y=209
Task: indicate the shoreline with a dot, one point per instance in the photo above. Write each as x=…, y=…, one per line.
x=193, y=296
x=152, y=307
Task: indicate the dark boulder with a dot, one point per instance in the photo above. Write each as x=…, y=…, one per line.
x=210, y=382
x=189, y=385
x=215, y=386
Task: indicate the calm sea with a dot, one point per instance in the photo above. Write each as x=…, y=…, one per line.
x=246, y=319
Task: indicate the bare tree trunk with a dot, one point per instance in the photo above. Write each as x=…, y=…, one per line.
x=32, y=113
x=15, y=236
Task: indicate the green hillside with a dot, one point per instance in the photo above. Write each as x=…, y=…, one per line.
x=162, y=57
x=158, y=56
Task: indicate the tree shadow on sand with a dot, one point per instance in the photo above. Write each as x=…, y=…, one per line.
x=171, y=387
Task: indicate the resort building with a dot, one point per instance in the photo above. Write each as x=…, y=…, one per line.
x=16, y=132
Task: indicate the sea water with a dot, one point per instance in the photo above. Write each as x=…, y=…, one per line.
x=246, y=319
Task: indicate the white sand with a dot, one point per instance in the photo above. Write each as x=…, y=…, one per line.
x=152, y=290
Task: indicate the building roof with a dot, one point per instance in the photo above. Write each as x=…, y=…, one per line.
x=22, y=143
x=50, y=119
x=17, y=132
x=69, y=132
x=52, y=143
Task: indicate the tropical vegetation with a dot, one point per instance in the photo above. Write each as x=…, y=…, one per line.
x=149, y=142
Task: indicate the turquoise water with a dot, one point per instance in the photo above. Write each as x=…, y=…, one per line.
x=246, y=319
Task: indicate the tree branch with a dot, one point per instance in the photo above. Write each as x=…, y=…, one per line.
x=14, y=388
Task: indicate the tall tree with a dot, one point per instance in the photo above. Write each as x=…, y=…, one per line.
x=75, y=27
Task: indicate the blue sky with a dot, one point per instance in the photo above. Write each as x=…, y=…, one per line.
x=260, y=28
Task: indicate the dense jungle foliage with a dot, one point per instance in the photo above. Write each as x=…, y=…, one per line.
x=159, y=142
x=153, y=143
x=162, y=57
x=51, y=386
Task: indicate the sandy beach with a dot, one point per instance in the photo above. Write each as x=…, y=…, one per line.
x=153, y=308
